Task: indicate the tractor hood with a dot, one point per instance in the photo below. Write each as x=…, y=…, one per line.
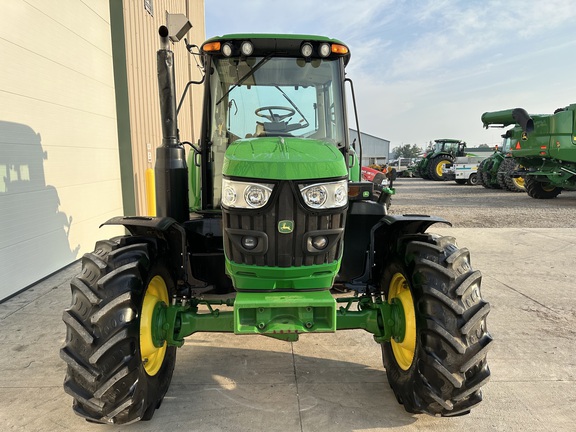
x=283, y=158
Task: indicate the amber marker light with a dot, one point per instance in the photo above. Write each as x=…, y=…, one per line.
x=339, y=49
x=353, y=191
x=212, y=46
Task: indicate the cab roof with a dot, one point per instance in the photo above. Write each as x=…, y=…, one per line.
x=287, y=44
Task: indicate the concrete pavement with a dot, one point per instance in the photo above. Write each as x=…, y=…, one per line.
x=331, y=382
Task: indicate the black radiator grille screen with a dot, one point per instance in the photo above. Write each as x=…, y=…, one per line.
x=284, y=250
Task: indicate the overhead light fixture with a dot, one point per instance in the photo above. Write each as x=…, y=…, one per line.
x=178, y=25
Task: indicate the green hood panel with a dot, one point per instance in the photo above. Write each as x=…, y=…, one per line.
x=283, y=158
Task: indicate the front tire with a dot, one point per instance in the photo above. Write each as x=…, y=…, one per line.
x=505, y=179
x=473, y=179
x=116, y=372
x=440, y=365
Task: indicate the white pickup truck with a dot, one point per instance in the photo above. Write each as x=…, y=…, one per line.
x=463, y=170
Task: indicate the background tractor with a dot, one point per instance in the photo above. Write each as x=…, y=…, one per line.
x=442, y=153
x=497, y=171
x=544, y=145
x=276, y=216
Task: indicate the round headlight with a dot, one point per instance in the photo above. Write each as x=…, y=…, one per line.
x=227, y=50
x=247, y=48
x=315, y=196
x=306, y=49
x=340, y=196
x=228, y=196
x=325, y=50
x=256, y=196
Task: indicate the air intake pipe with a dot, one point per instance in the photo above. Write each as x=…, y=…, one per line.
x=171, y=172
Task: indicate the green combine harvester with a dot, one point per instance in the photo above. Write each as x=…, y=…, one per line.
x=270, y=210
x=442, y=153
x=543, y=145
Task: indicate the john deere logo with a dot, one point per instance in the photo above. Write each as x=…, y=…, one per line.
x=285, y=226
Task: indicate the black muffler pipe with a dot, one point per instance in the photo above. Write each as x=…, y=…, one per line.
x=171, y=172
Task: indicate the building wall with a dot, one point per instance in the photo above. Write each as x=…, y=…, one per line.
x=374, y=149
x=64, y=168
x=141, y=41
x=59, y=169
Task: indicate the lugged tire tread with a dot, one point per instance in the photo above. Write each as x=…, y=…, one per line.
x=85, y=372
x=90, y=295
x=456, y=379
x=104, y=374
x=473, y=278
x=475, y=319
x=121, y=301
x=72, y=322
x=110, y=343
x=452, y=341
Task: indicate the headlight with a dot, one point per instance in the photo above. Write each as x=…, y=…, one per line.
x=245, y=195
x=325, y=195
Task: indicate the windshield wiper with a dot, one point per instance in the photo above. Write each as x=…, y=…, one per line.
x=294, y=106
x=248, y=75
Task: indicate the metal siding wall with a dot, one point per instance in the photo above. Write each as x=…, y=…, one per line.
x=142, y=42
x=59, y=171
x=372, y=147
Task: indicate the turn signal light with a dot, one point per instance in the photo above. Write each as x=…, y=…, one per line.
x=339, y=49
x=212, y=46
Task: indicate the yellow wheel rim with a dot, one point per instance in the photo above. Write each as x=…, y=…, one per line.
x=404, y=351
x=152, y=356
x=439, y=168
x=519, y=182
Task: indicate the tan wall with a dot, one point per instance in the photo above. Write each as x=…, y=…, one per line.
x=59, y=169
x=142, y=42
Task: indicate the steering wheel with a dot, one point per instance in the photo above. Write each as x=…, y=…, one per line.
x=272, y=116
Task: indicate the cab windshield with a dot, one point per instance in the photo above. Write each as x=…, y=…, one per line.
x=276, y=96
x=506, y=144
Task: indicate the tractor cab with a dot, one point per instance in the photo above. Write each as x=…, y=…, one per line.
x=265, y=90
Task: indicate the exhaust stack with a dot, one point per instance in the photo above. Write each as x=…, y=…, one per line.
x=171, y=172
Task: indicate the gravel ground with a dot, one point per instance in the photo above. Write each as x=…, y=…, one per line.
x=477, y=207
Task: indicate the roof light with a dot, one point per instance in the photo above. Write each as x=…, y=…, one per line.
x=339, y=49
x=247, y=48
x=227, y=50
x=325, y=50
x=306, y=49
x=212, y=46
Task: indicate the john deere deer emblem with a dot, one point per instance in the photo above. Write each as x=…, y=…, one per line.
x=285, y=226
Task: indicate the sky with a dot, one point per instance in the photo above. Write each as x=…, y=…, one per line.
x=427, y=69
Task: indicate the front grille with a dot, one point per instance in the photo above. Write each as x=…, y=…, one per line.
x=283, y=250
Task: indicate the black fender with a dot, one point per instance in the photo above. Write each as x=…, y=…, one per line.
x=171, y=238
x=370, y=243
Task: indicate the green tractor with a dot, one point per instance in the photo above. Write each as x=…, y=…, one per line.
x=275, y=217
x=442, y=153
x=544, y=147
x=497, y=171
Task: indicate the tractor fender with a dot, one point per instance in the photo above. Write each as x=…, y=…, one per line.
x=380, y=241
x=171, y=238
x=386, y=236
